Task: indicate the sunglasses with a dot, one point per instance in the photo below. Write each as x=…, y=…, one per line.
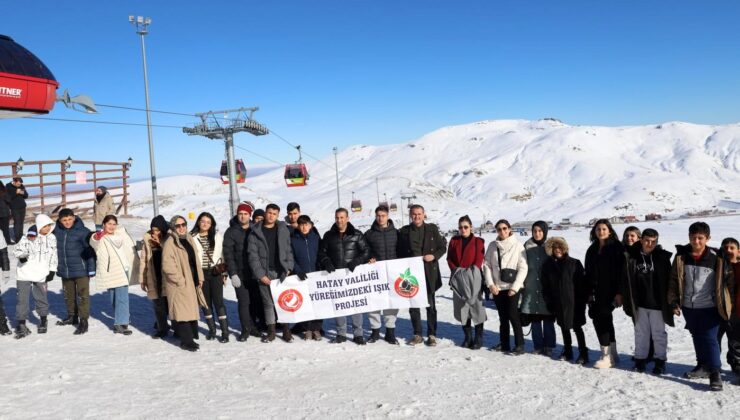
x=181, y=225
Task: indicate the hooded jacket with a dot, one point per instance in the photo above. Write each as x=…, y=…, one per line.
x=513, y=257
x=76, y=256
x=40, y=254
x=658, y=265
x=341, y=250
x=259, y=256
x=103, y=207
x=564, y=286
x=117, y=260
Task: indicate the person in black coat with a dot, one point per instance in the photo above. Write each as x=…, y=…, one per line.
x=605, y=264
x=235, y=255
x=421, y=239
x=382, y=238
x=344, y=246
x=16, y=197
x=4, y=214
x=305, y=242
x=566, y=292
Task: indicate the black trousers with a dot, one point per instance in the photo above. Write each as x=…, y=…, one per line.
x=3, y=316
x=415, y=314
x=187, y=331
x=243, y=298
x=5, y=228
x=604, y=326
x=256, y=308
x=508, y=313
x=161, y=311
x=18, y=216
x=213, y=291
x=733, y=343
x=580, y=337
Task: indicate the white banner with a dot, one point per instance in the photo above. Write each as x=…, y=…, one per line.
x=371, y=287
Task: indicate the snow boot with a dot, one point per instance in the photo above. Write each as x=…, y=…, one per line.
x=374, y=335
x=270, y=336
x=359, y=340
x=82, y=327
x=122, y=329
x=254, y=332
x=613, y=353
x=567, y=354
x=224, y=323
x=21, y=330
x=192, y=346
x=43, y=325
x=416, y=339
x=339, y=339
x=659, y=367
x=70, y=320
x=698, y=372
x=211, y=329
x=582, y=356
x=317, y=336
x=640, y=365
x=468, y=341
x=287, y=335
x=715, y=381
x=518, y=351
x=478, y=340
x=605, y=361
x=4, y=329
x=390, y=336
x=431, y=341
x=244, y=335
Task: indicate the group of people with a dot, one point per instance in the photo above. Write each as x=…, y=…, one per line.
x=184, y=271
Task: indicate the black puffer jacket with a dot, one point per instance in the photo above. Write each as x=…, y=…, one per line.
x=604, y=273
x=339, y=253
x=382, y=242
x=4, y=204
x=660, y=260
x=16, y=197
x=235, y=250
x=565, y=290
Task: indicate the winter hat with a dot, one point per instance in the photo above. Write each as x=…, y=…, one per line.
x=559, y=241
x=160, y=223
x=258, y=213
x=542, y=225
x=245, y=206
x=32, y=231
x=43, y=220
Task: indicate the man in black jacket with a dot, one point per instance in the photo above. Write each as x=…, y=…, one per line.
x=235, y=256
x=16, y=196
x=420, y=239
x=345, y=247
x=382, y=238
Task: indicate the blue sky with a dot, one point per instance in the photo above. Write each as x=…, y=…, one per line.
x=328, y=73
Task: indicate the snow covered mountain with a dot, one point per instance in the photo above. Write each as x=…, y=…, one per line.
x=517, y=169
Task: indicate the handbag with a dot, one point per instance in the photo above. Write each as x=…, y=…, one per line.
x=508, y=275
x=218, y=268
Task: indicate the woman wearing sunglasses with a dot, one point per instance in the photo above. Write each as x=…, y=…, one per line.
x=504, y=269
x=465, y=258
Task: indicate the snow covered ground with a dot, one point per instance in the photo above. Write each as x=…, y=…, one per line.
x=59, y=375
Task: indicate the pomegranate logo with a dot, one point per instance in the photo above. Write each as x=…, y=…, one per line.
x=406, y=285
x=290, y=300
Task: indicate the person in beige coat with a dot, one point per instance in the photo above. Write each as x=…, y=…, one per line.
x=150, y=273
x=116, y=268
x=182, y=275
x=102, y=206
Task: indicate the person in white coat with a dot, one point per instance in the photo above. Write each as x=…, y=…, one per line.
x=115, y=267
x=504, y=269
x=208, y=252
x=37, y=263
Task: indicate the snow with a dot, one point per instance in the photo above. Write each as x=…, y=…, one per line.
x=690, y=167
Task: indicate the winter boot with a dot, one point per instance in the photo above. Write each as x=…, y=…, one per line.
x=270, y=336
x=547, y=352
x=374, y=335
x=317, y=336
x=659, y=367
x=416, y=339
x=698, y=372
x=517, y=351
x=605, y=361
x=640, y=365
x=244, y=335
x=468, y=341
x=287, y=335
x=390, y=336
x=613, y=353
x=715, y=381
x=4, y=329
x=582, y=356
x=359, y=340
x=339, y=339
x=431, y=341
x=211, y=329
x=567, y=354
x=21, y=330
x=307, y=335
x=82, y=327
x=254, y=332
x=192, y=346
x=122, y=329
x=43, y=326
x=499, y=347
x=224, y=323
x=478, y=341
x=70, y=320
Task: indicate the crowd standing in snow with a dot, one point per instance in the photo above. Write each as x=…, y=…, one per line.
x=537, y=283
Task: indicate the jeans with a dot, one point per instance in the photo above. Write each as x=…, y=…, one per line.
x=703, y=325
x=543, y=334
x=119, y=301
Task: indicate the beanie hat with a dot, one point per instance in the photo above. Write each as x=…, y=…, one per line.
x=258, y=213
x=32, y=231
x=246, y=206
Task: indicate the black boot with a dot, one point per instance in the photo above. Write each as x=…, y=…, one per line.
x=70, y=320
x=270, y=336
x=121, y=329
x=659, y=367
x=478, y=342
x=4, y=329
x=582, y=356
x=567, y=354
x=390, y=336
x=81, y=327
x=224, y=323
x=211, y=329
x=374, y=335
x=287, y=334
x=243, y=336
x=21, y=330
x=43, y=326
x=468, y=340
x=640, y=365
x=715, y=380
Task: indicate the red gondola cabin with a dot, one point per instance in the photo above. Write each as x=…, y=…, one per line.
x=27, y=86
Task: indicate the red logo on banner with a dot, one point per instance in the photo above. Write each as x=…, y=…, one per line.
x=290, y=300
x=406, y=284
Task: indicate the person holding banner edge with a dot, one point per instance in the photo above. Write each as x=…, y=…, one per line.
x=421, y=239
x=345, y=247
x=270, y=257
x=382, y=238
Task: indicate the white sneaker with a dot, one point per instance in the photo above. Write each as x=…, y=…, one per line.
x=605, y=361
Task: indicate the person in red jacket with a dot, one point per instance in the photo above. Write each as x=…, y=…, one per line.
x=465, y=258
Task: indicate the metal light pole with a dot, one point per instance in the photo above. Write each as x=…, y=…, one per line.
x=336, y=171
x=231, y=167
x=142, y=28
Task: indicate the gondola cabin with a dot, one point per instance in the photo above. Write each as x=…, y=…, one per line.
x=27, y=86
x=383, y=204
x=296, y=175
x=356, y=206
x=241, y=172
x=394, y=207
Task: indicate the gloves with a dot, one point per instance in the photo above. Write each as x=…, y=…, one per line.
x=50, y=276
x=99, y=235
x=351, y=266
x=282, y=276
x=302, y=276
x=329, y=268
x=236, y=281
x=23, y=260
